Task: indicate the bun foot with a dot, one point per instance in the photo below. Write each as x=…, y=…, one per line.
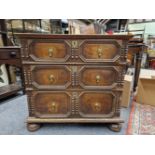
x=116, y=127
x=33, y=127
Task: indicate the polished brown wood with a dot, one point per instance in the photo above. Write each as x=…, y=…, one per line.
x=96, y=104
x=10, y=56
x=105, y=50
x=48, y=50
x=136, y=48
x=73, y=78
x=50, y=76
x=63, y=36
x=34, y=120
x=52, y=104
x=98, y=76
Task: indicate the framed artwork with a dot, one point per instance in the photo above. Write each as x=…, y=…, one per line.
x=3, y=76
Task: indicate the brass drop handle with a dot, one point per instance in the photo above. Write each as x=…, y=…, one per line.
x=99, y=52
x=98, y=78
x=51, y=78
x=97, y=106
x=52, y=107
x=50, y=52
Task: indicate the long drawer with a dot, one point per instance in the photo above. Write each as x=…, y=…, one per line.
x=58, y=51
x=86, y=104
x=73, y=76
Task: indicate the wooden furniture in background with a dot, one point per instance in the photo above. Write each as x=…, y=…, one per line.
x=84, y=27
x=3, y=32
x=136, y=47
x=24, y=25
x=10, y=56
x=73, y=78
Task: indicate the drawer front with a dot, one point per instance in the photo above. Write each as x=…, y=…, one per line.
x=56, y=51
x=99, y=76
x=97, y=104
x=50, y=77
x=9, y=54
x=100, y=51
x=51, y=104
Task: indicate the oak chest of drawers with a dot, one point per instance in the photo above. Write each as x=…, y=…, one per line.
x=73, y=78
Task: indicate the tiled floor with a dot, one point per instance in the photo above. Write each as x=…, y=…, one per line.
x=13, y=114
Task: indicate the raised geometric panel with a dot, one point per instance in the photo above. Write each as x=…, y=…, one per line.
x=50, y=77
x=97, y=104
x=98, y=77
x=49, y=50
x=100, y=51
